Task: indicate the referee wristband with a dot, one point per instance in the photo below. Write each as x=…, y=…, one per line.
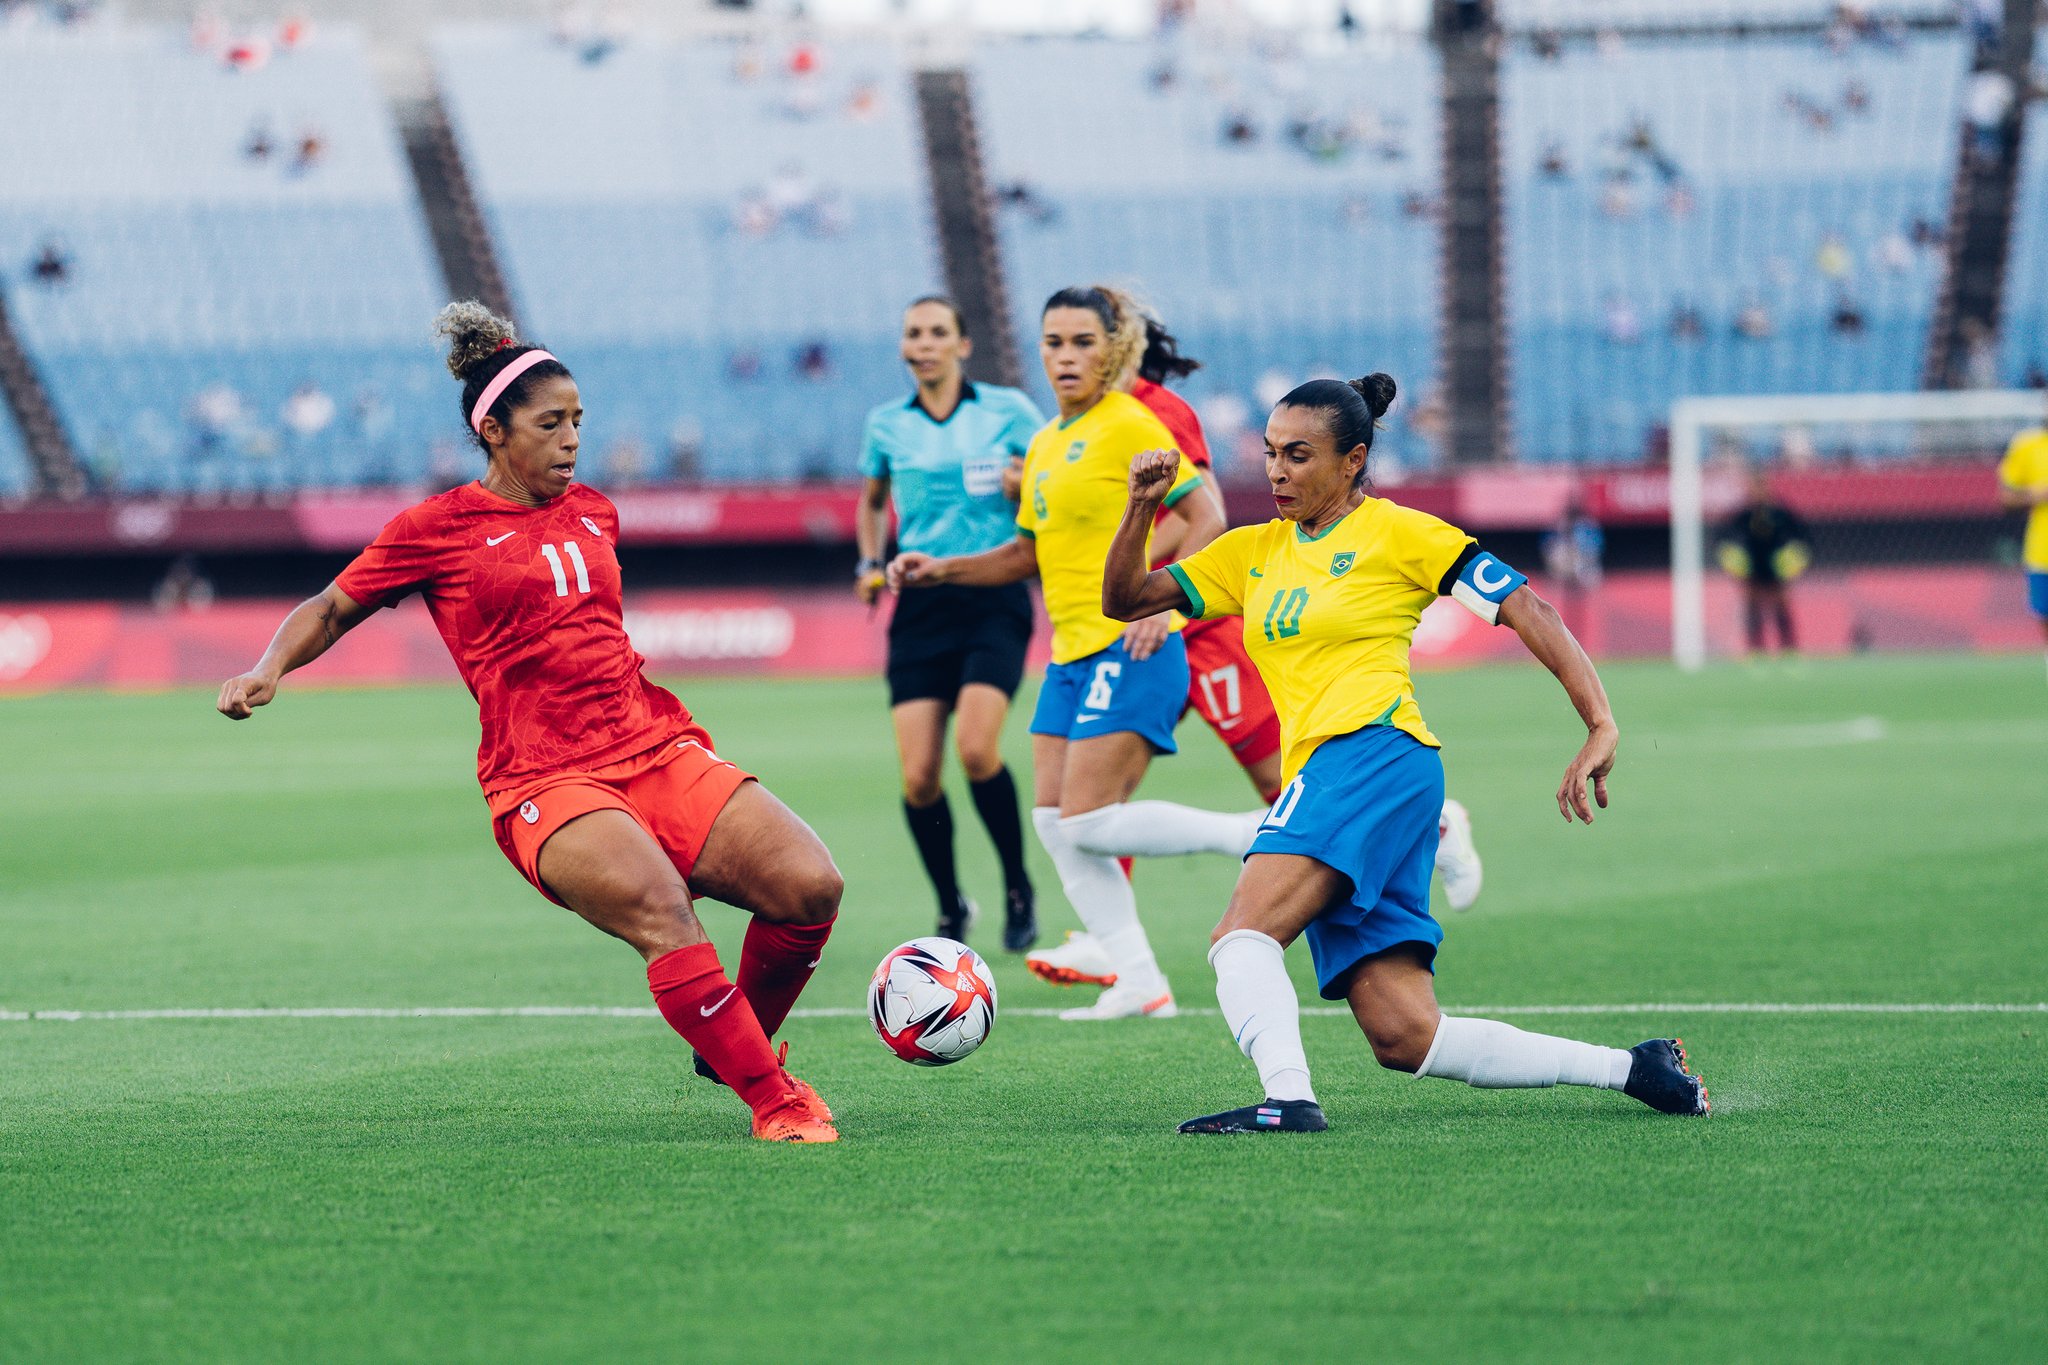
x=866, y=567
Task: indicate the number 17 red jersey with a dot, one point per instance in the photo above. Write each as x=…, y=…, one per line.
x=527, y=600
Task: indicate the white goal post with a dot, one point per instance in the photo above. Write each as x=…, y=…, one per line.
x=2003, y=411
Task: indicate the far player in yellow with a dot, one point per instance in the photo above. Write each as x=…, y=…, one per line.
x=2023, y=482
x=1330, y=593
x=1114, y=692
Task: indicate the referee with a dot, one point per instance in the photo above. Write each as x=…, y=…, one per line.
x=953, y=650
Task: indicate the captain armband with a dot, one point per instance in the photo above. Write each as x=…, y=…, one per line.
x=1482, y=582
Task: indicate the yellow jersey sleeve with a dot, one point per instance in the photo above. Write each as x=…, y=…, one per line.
x=1424, y=548
x=1214, y=576
x=1030, y=502
x=2022, y=468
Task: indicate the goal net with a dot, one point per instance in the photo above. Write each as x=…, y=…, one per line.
x=1881, y=530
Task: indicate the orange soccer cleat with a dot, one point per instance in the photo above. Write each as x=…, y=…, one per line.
x=800, y=1116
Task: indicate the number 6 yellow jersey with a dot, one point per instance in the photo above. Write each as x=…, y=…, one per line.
x=1328, y=618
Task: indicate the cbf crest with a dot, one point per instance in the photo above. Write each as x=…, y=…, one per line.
x=1341, y=562
x=1074, y=451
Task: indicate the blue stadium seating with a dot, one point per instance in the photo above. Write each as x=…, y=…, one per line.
x=2025, y=325
x=1264, y=257
x=615, y=191
x=1769, y=191
x=193, y=266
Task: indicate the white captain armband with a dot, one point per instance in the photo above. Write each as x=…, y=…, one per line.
x=1481, y=583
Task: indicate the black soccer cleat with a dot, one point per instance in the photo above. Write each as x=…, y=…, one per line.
x=1020, y=920
x=703, y=1068
x=1267, y=1116
x=955, y=925
x=1659, y=1078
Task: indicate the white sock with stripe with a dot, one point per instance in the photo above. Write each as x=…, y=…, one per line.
x=1102, y=897
x=1161, y=829
x=1260, y=1006
x=1497, y=1056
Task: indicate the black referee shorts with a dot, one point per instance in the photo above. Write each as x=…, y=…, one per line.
x=942, y=638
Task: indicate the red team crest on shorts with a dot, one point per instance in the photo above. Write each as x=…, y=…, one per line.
x=529, y=812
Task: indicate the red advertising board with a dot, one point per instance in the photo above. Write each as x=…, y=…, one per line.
x=826, y=634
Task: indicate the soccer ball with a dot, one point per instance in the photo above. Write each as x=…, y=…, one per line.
x=932, y=1000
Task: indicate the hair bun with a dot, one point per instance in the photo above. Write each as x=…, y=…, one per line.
x=1377, y=390
x=474, y=333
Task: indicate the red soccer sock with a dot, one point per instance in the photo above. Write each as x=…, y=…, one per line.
x=714, y=1016
x=776, y=964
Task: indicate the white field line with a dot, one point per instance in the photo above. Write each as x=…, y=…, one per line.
x=845, y=1012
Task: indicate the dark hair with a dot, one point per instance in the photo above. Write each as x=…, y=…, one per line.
x=959, y=318
x=1351, y=411
x=1122, y=341
x=1162, y=359
x=480, y=343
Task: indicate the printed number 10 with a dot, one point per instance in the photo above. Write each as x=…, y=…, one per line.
x=554, y=558
x=1283, y=617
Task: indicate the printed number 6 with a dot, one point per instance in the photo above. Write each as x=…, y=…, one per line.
x=1103, y=685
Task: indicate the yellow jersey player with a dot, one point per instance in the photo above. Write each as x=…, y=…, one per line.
x=2023, y=482
x=1330, y=593
x=1114, y=692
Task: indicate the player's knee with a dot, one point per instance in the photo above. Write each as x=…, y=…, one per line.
x=814, y=894
x=921, y=785
x=1400, y=1039
x=980, y=758
x=660, y=916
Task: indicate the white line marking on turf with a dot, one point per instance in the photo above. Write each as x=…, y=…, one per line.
x=848, y=1012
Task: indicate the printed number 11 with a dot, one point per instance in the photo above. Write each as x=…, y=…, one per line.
x=554, y=558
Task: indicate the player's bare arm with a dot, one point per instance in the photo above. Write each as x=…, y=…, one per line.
x=1547, y=637
x=1008, y=563
x=871, y=534
x=1129, y=591
x=307, y=633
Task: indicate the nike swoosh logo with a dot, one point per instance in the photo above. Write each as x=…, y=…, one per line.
x=708, y=1010
x=815, y=961
x=507, y=536
x=1257, y=573
x=1088, y=715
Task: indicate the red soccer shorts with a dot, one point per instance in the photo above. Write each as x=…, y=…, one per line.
x=674, y=792
x=1225, y=686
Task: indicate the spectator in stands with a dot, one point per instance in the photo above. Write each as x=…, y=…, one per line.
x=215, y=416
x=183, y=587
x=1548, y=44
x=1620, y=320
x=1022, y=196
x=1686, y=323
x=1238, y=129
x=308, y=412
x=51, y=267
x=1765, y=546
x=1679, y=202
x=1618, y=198
x=744, y=364
x=259, y=144
x=1832, y=258
x=686, y=449
x=625, y=462
x=813, y=362
x=1753, y=321
x=864, y=101
x=372, y=420
x=312, y=151
x=1988, y=102
x=2037, y=375
x=1572, y=550
x=1893, y=253
x=1847, y=318
x=1929, y=235
x=1551, y=165
x=1855, y=97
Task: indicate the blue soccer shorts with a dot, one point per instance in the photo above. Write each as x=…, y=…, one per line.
x=2037, y=592
x=1365, y=804
x=1108, y=692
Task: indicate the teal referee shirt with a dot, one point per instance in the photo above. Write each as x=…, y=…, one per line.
x=947, y=477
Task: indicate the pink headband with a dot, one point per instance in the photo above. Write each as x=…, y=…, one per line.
x=495, y=390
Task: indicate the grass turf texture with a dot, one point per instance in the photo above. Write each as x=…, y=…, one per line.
x=561, y=1189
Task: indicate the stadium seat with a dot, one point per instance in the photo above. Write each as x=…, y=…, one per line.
x=193, y=268
x=2025, y=322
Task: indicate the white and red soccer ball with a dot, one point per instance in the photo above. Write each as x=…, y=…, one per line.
x=933, y=1001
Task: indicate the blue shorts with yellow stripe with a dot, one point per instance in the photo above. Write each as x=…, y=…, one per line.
x=1367, y=805
x=1109, y=692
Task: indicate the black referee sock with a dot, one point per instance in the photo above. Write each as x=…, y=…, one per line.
x=932, y=829
x=995, y=800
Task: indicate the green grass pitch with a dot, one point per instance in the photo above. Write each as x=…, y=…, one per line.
x=1869, y=1185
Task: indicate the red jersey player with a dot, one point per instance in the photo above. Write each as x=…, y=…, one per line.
x=603, y=791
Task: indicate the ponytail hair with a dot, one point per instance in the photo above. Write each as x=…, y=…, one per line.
x=1162, y=359
x=480, y=345
x=1351, y=411
x=1123, y=323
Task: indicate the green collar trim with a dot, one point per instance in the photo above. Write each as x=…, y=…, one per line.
x=1301, y=538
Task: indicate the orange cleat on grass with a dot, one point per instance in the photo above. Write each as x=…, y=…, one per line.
x=800, y=1117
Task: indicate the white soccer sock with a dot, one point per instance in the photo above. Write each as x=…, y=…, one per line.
x=1259, y=1005
x=1102, y=897
x=1154, y=829
x=1494, y=1056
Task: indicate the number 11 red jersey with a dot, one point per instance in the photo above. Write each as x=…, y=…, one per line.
x=527, y=599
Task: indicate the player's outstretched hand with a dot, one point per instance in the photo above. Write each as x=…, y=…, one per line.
x=868, y=586
x=1152, y=474
x=1144, y=636
x=240, y=696
x=1594, y=761
x=910, y=570
x=1013, y=479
